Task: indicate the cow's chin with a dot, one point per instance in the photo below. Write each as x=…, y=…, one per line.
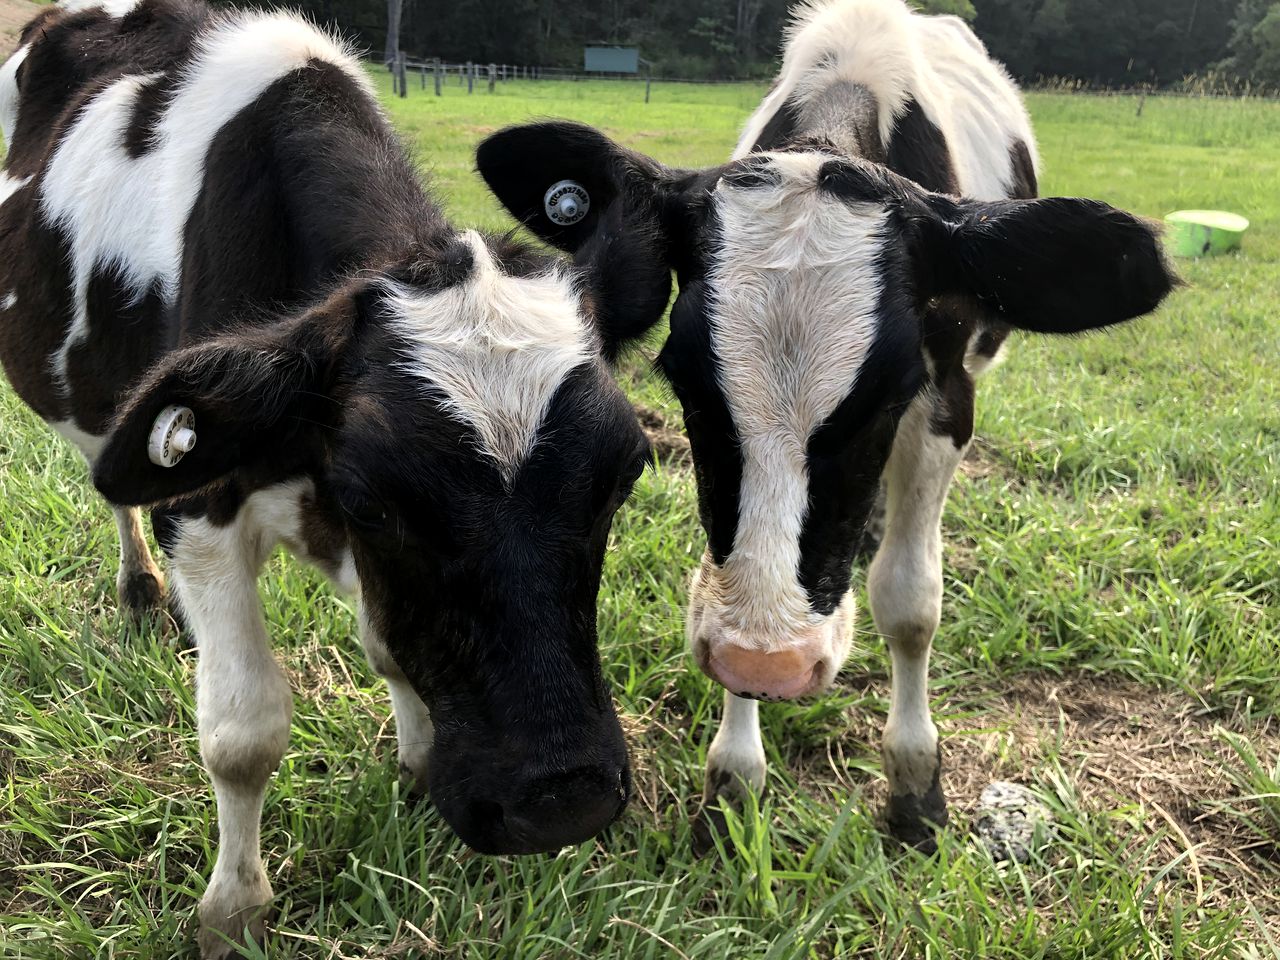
x=764, y=657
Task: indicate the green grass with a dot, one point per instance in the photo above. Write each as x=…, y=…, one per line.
x=1116, y=537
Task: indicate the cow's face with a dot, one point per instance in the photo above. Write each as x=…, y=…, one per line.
x=470, y=449
x=792, y=353
x=796, y=342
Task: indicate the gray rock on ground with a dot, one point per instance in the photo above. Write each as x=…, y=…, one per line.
x=1010, y=821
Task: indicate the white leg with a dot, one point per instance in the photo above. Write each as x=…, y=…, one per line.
x=139, y=582
x=735, y=768
x=735, y=759
x=905, y=587
x=414, y=732
x=243, y=706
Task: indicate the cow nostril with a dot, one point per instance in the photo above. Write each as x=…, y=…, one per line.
x=489, y=813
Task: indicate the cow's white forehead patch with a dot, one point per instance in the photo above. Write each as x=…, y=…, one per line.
x=793, y=315
x=497, y=347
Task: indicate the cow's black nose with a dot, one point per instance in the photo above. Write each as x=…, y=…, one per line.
x=550, y=812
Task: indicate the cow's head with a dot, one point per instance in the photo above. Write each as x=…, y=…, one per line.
x=796, y=344
x=470, y=448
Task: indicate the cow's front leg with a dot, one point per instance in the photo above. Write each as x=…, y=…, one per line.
x=735, y=766
x=243, y=706
x=414, y=732
x=735, y=759
x=905, y=588
x=139, y=582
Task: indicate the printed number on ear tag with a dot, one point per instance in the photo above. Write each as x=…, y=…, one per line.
x=566, y=203
x=173, y=435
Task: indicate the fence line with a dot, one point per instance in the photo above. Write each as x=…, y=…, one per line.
x=471, y=72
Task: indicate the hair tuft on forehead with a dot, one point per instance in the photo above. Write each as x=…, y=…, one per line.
x=496, y=346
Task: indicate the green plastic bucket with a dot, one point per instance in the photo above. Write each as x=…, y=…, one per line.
x=1204, y=233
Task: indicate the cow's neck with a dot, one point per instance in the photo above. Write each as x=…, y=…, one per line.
x=364, y=210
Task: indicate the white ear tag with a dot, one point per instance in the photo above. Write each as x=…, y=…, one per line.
x=172, y=435
x=566, y=203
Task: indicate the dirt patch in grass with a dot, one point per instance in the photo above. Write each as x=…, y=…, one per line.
x=670, y=445
x=981, y=460
x=1161, y=755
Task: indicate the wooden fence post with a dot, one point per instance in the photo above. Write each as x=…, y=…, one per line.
x=435, y=69
x=647, y=83
x=493, y=75
x=471, y=77
x=401, y=75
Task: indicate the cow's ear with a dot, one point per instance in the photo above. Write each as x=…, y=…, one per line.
x=252, y=394
x=1057, y=265
x=608, y=206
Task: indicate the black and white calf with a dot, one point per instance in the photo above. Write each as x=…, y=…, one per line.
x=206, y=216
x=836, y=297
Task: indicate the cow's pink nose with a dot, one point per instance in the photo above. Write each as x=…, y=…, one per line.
x=782, y=675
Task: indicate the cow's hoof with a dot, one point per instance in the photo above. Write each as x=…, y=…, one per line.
x=141, y=594
x=732, y=787
x=734, y=784
x=709, y=823
x=223, y=927
x=916, y=819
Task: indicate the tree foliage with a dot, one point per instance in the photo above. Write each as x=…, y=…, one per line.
x=957, y=8
x=1255, y=42
x=1113, y=42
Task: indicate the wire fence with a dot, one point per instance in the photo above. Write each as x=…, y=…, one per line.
x=438, y=75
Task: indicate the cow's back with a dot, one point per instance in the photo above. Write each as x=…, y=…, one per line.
x=69, y=51
x=941, y=110
x=175, y=171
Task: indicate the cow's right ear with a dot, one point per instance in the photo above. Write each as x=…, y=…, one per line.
x=608, y=206
x=253, y=394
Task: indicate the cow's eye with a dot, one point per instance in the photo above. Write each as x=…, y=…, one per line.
x=645, y=458
x=364, y=513
x=611, y=492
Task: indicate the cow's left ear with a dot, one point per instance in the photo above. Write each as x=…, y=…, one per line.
x=1057, y=265
x=608, y=206
x=252, y=393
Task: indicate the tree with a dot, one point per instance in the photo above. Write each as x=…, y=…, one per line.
x=1115, y=42
x=1266, y=41
x=1255, y=42
x=394, y=9
x=957, y=8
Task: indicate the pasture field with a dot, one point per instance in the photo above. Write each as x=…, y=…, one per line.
x=1111, y=637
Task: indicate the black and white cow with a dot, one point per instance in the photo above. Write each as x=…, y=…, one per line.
x=836, y=298
x=205, y=216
